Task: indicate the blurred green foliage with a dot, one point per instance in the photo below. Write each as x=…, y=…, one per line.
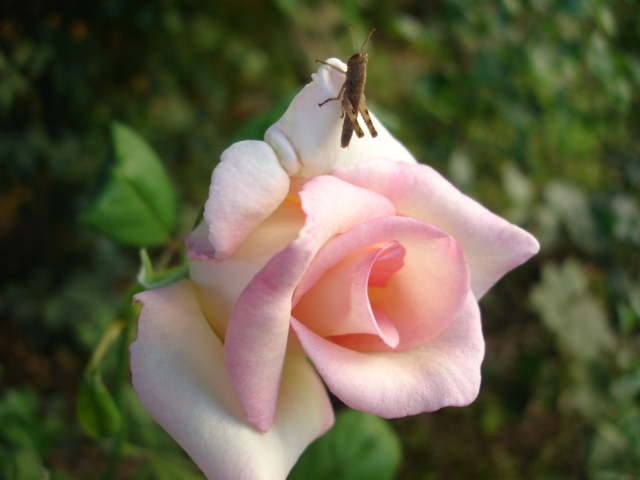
x=359, y=446
x=529, y=106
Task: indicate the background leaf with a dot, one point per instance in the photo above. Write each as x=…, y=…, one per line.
x=137, y=206
x=358, y=447
x=25, y=436
x=96, y=409
x=567, y=309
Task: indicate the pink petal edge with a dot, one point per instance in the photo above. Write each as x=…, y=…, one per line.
x=492, y=245
x=179, y=376
x=246, y=187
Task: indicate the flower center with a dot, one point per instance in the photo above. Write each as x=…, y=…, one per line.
x=338, y=303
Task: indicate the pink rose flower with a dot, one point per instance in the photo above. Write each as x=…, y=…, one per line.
x=361, y=259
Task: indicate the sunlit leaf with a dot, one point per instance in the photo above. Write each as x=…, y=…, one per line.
x=520, y=190
x=568, y=205
x=137, y=205
x=570, y=311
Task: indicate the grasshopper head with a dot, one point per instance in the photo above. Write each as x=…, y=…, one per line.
x=358, y=58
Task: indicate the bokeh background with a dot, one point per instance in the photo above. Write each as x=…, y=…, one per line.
x=529, y=106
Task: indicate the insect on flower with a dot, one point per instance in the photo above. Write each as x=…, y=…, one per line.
x=351, y=94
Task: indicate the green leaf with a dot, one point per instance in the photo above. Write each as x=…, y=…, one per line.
x=96, y=409
x=137, y=205
x=360, y=446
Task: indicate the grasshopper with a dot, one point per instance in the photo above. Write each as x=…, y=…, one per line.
x=351, y=94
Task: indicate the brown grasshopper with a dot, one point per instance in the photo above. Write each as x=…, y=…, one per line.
x=351, y=94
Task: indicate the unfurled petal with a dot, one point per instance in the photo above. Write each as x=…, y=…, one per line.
x=443, y=372
x=246, y=187
x=338, y=303
x=492, y=245
x=179, y=376
x=421, y=299
x=307, y=137
x=256, y=337
x=388, y=262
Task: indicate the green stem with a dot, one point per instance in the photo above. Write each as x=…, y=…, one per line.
x=111, y=334
x=120, y=377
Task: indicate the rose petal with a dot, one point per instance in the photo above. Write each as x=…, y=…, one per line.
x=390, y=260
x=492, y=245
x=387, y=330
x=179, y=376
x=307, y=137
x=338, y=303
x=246, y=187
x=198, y=245
x=219, y=284
x=256, y=337
x=423, y=297
x=443, y=372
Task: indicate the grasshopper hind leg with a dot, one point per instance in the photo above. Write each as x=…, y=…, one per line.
x=347, y=133
x=367, y=118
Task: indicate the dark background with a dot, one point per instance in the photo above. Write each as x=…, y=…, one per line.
x=529, y=106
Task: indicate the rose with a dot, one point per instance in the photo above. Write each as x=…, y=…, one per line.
x=360, y=259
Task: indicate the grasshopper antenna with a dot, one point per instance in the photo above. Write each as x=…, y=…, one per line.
x=365, y=42
x=355, y=45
